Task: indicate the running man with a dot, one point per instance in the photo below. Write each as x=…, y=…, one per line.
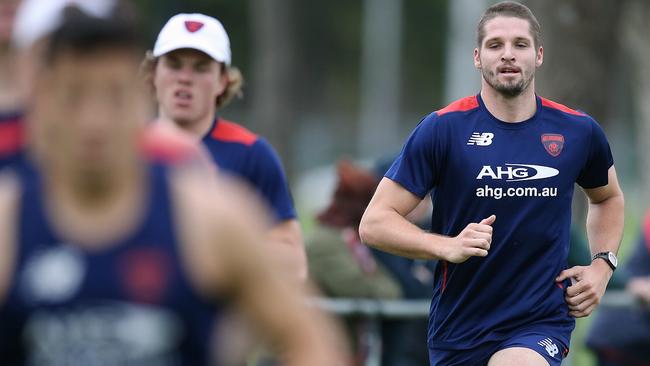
x=503, y=164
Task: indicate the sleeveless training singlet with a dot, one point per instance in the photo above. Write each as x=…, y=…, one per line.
x=130, y=303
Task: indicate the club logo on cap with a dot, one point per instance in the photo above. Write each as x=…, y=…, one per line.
x=193, y=26
x=553, y=143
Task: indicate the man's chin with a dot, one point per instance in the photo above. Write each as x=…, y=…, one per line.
x=183, y=119
x=512, y=92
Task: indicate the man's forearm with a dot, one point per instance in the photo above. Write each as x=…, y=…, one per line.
x=605, y=225
x=286, y=239
x=390, y=232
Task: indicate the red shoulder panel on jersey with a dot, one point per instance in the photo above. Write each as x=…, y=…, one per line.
x=11, y=137
x=460, y=105
x=561, y=107
x=231, y=132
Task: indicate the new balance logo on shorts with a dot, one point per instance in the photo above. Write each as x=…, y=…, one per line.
x=550, y=347
x=480, y=139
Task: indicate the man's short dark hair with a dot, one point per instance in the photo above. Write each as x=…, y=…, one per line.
x=84, y=34
x=510, y=9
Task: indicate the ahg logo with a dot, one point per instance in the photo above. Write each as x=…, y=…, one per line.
x=517, y=172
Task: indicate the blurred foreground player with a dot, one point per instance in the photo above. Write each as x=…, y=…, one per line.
x=110, y=259
x=33, y=22
x=10, y=101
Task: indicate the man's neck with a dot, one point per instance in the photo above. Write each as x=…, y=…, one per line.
x=9, y=95
x=198, y=129
x=510, y=109
x=98, y=210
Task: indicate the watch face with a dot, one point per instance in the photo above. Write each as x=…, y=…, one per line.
x=612, y=259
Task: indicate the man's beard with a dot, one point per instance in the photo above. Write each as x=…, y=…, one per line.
x=509, y=90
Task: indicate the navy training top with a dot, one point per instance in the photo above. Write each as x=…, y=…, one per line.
x=246, y=155
x=524, y=173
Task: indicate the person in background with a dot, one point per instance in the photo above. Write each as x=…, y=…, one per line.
x=193, y=79
x=109, y=257
x=334, y=243
x=343, y=267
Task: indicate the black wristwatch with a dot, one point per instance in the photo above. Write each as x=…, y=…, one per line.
x=608, y=257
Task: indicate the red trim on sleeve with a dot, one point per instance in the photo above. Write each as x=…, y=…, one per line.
x=444, y=276
x=231, y=132
x=560, y=107
x=11, y=137
x=160, y=143
x=460, y=105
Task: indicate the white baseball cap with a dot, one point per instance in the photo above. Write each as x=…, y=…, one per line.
x=196, y=31
x=36, y=19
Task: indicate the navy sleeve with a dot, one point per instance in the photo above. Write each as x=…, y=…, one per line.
x=267, y=175
x=418, y=165
x=599, y=160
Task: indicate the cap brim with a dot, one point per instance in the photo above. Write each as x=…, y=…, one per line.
x=159, y=51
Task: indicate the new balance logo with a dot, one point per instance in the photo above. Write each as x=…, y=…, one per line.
x=550, y=347
x=480, y=139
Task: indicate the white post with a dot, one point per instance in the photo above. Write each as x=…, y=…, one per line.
x=462, y=78
x=380, y=77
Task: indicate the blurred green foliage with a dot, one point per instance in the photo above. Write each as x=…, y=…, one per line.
x=327, y=48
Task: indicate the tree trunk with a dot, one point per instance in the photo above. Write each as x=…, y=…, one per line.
x=270, y=91
x=580, y=39
x=581, y=48
x=380, y=77
x=462, y=78
x=635, y=38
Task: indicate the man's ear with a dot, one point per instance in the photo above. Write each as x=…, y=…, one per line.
x=223, y=81
x=540, y=57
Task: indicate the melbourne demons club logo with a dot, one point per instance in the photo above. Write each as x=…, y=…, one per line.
x=193, y=26
x=553, y=143
x=145, y=274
